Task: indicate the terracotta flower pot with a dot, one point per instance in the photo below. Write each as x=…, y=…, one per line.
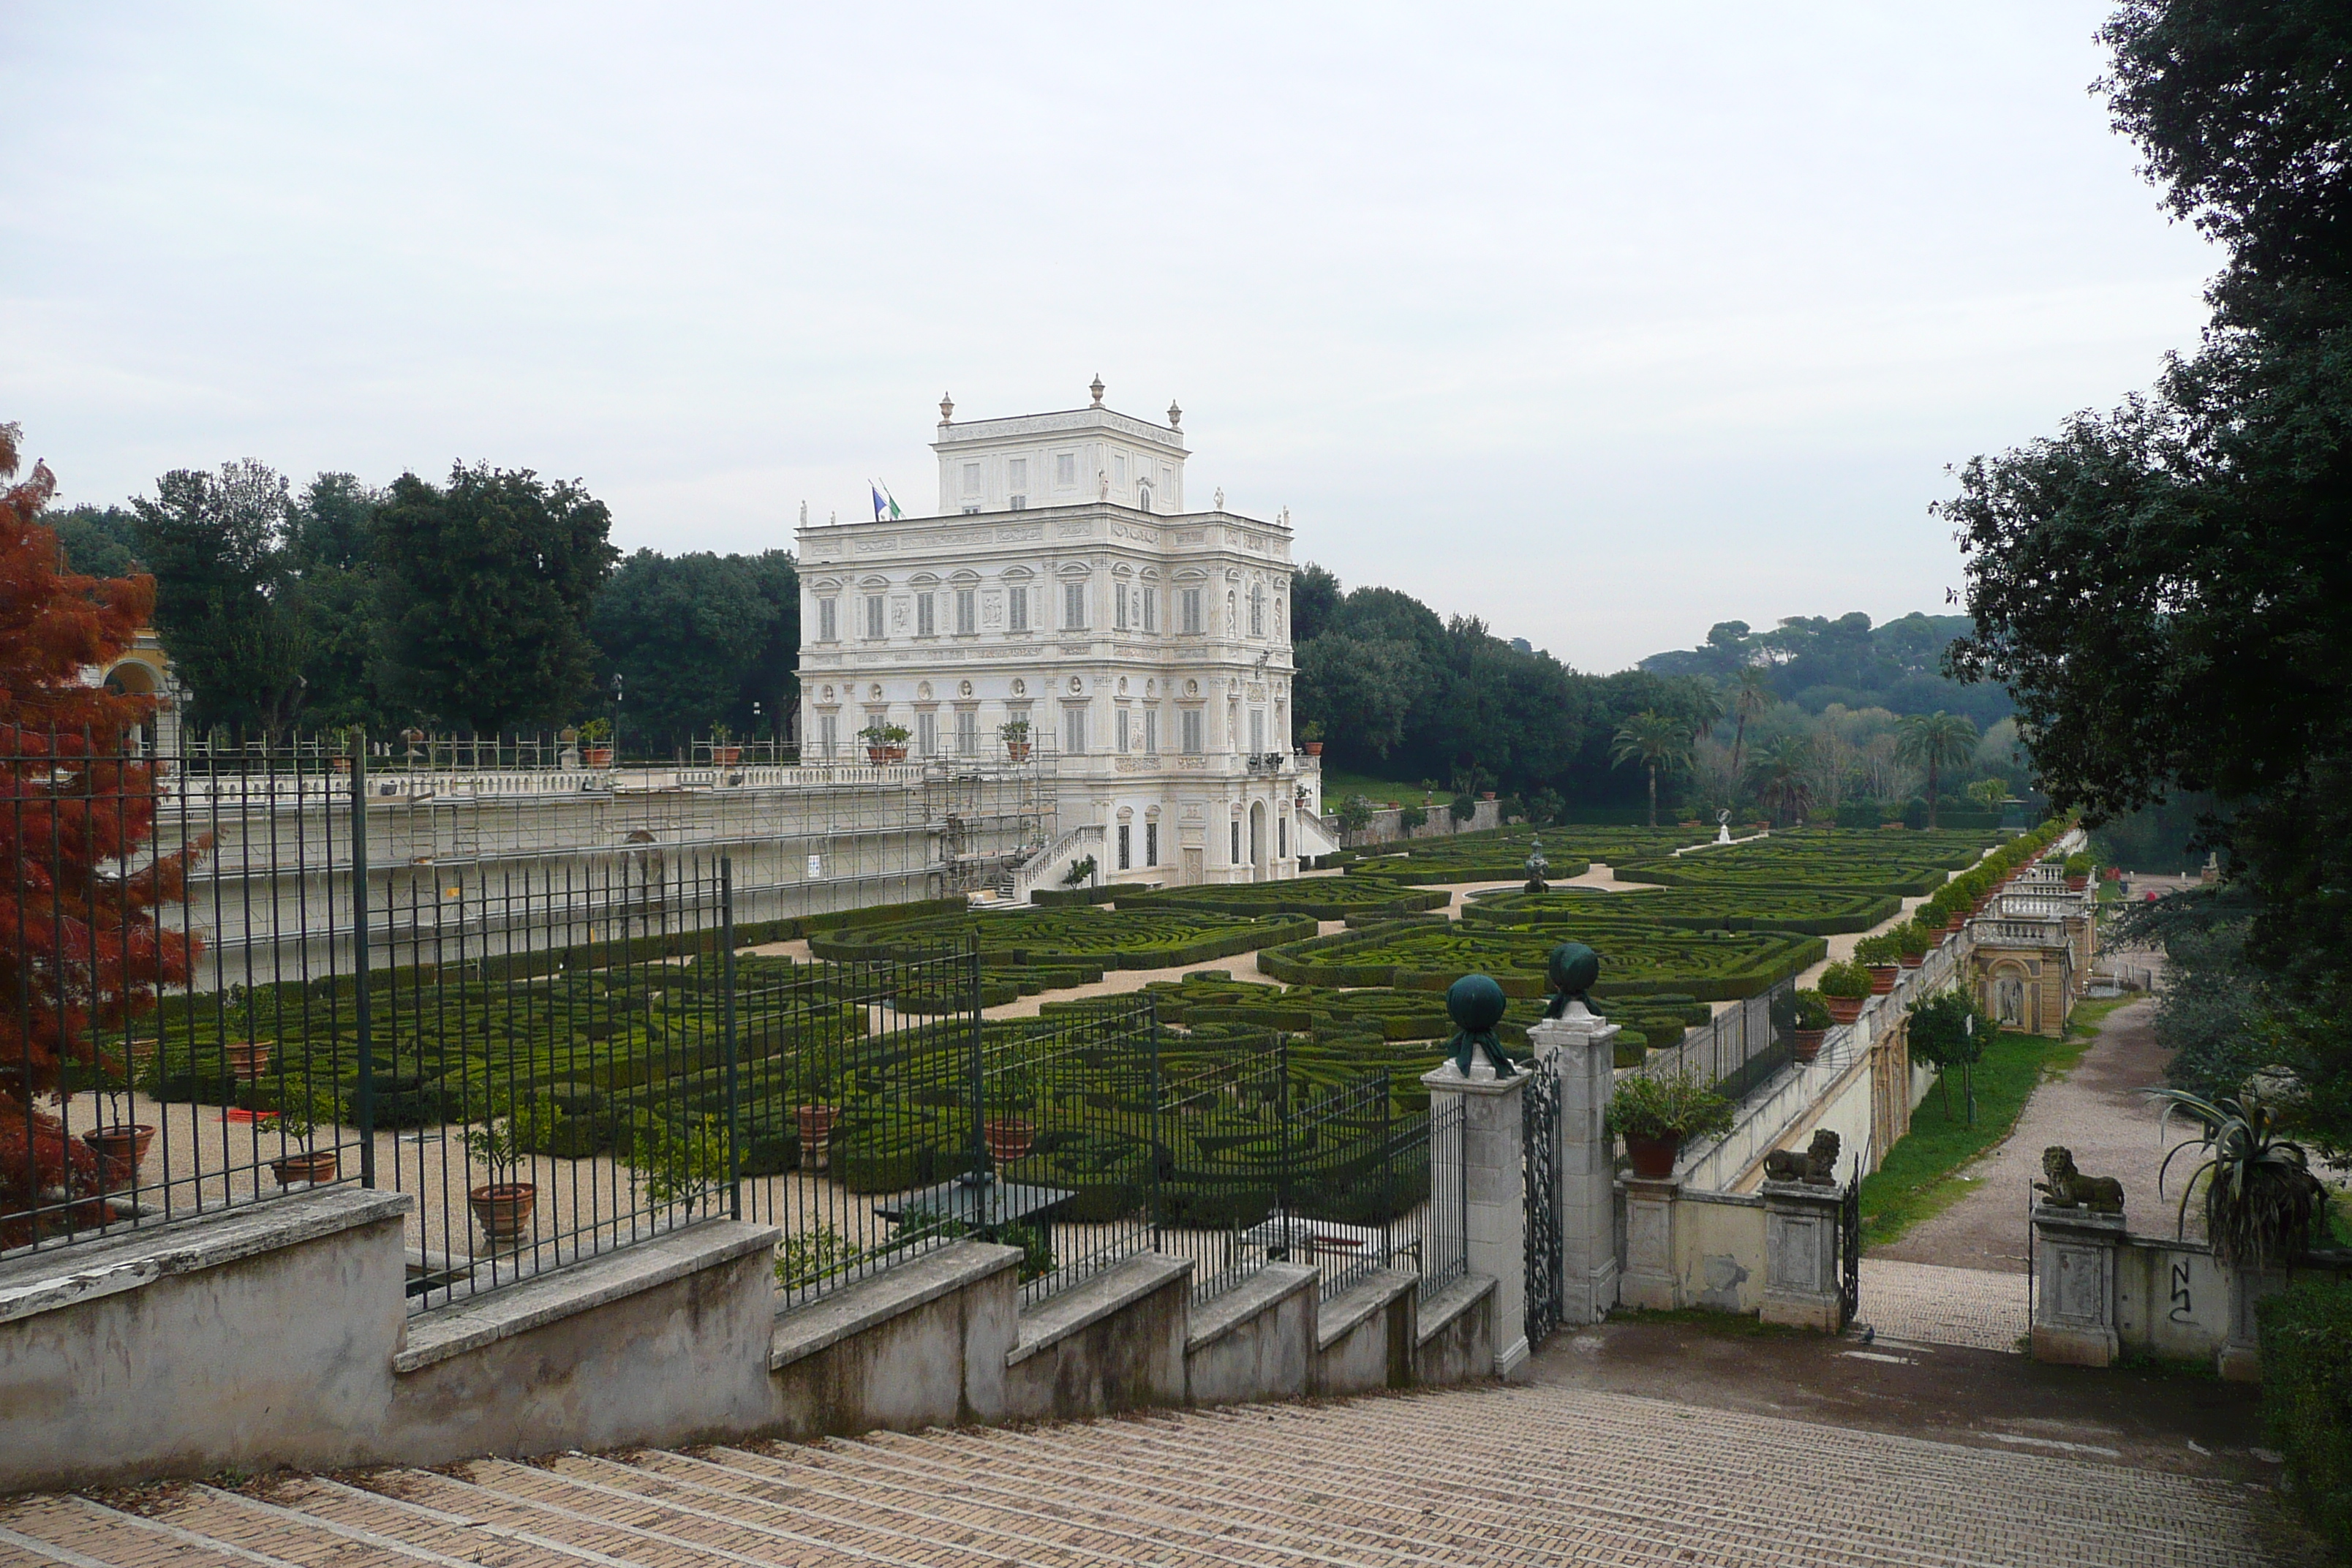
x=817, y=1131
x=598, y=756
x=122, y=1150
x=503, y=1209
x=2076, y=884
x=312, y=1166
x=1312, y=748
x=248, y=1059
x=1843, y=1009
x=1882, y=978
x=1654, y=1158
x=340, y=764
x=726, y=756
x=1913, y=960
x=1018, y=751
x=1954, y=926
x=1485, y=794
x=1010, y=1138
x=1806, y=1043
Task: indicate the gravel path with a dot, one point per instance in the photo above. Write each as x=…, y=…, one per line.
x=2097, y=1111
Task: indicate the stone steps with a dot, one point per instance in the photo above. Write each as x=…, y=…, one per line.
x=1499, y=1475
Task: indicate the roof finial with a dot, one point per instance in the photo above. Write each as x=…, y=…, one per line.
x=1175, y=416
x=947, y=409
x=1097, y=389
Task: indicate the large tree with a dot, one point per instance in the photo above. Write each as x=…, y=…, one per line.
x=1935, y=742
x=486, y=586
x=2166, y=589
x=225, y=601
x=1659, y=742
x=696, y=638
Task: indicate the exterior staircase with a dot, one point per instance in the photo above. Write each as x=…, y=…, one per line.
x=1493, y=1475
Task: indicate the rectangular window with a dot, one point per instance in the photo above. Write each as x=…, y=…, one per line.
x=1119, y=606
x=1257, y=612
x=828, y=620
x=1074, y=730
x=967, y=613
x=1017, y=610
x=926, y=621
x=1151, y=731
x=1151, y=844
x=1016, y=479
x=971, y=478
x=1125, y=847
x=1151, y=598
x=967, y=733
x=827, y=732
x=927, y=734
x=1191, y=610
x=1121, y=724
x=874, y=616
x=1237, y=843
x=1282, y=839
x=1074, y=606
x=1257, y=732
x=1192, y=732
x=1065, y=468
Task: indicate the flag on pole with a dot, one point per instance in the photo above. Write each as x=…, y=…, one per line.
x=877, y=499
x=895, y=513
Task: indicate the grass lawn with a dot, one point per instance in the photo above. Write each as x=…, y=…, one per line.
x=1920, y=1178
x=1338, y=784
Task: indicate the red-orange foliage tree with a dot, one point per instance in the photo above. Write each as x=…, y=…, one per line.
x=82, y=951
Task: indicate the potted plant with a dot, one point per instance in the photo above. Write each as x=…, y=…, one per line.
x=675, y=1164
x=341, y=739
x=1912, y=940
x=306, y=1166
x=885, y=742
x=1009, y=1134
x=816, y=1123
x=1080, y=873
x=1015, y=733
x=723, y=753
x=2262, y=1204
x=1844, y=987
x=121, y=1144
x=1310, y=738
x=502, y=1205
x=247, y=1060
x=1883, y=957
x=1656, y=1115
x=596, y=742
x=1812, y=1027
x=2078, y=869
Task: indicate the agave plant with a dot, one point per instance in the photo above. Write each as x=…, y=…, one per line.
x=2262, y=1202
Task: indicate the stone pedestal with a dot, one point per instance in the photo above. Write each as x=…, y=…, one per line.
x=1492, y=1151
x=2074, y=1286
x=2240, y=1356
x=1801, y=1256
x=1650, y=1279
x=1580, y=1051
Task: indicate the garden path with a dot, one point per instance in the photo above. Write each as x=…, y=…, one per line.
x=2096, y=1111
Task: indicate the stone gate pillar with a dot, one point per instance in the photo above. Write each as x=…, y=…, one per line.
x=1580, y=1050
x=1801, y=1256
x=1493, y=1153
x=2074, y=1286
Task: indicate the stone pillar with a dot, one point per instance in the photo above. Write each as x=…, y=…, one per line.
x=2074, y=1286
x=1580, y=1050
x=1493, y=1153
x=1801, y=1256
x=1651, y=1280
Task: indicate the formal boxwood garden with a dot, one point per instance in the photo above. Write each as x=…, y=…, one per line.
x=1157, y=937
x=1906, y=866
x=1814, y=912
x=1500, y=854
x=1317, y=897
x=1637, y=958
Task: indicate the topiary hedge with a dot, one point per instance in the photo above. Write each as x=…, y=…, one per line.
x=1156, y=938
x=1712, y=965
x=2306, y=1347
x=1319, y=897
x=1810, y=911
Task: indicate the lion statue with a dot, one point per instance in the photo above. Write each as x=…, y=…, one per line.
x=2069, y=1188
x=1817, y=1166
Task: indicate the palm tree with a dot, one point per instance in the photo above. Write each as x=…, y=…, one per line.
x=1751, y=693
x=1705, y=706
x=1780, y=778
x=1657, y=741
x=1931, y=740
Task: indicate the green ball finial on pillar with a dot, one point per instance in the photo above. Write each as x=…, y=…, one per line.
x=1475, y=1005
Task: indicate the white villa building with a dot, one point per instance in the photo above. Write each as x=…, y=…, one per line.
x=1063, y=585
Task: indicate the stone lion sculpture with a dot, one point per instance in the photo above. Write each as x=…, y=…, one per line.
x=1817, y=1165
x=2069, y=1188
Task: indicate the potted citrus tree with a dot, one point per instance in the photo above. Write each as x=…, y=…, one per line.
x=596, y=742
x=1310, y=738
x=2078, y=871
x=1015, y=733
x=885, y=742
x=1011, y=1134
x=1883, y=957
x=724, y=753
x=816, y=1122
x=502, y=1205
x=1656, y=1115
x=121, y=1144
x=1844, y=987
x=1912, y=940
x=304, y=1164
x=1811, y=1025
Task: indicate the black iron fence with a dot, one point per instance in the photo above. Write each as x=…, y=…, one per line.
x=1740, y=1048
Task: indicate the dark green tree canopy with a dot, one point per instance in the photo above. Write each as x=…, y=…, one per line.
x=486, y=588
x=697, y=639
x=225, y=594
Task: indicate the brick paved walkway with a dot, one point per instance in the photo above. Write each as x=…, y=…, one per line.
x=1974, y=1306
x=1502, y=1475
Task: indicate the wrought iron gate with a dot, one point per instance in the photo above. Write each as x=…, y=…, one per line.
x=1540, y=1108
x=1850, y=1250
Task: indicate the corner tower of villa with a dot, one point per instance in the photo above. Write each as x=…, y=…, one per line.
x=1063, y=585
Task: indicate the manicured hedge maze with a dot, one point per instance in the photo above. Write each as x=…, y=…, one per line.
x=1500, y=854
x=1319, y=897
x=1908, y=864
x=1814, y=912
x=1713, y=965
x=1077, y=937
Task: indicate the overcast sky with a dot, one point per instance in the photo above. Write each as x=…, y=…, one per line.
x=1602, y=322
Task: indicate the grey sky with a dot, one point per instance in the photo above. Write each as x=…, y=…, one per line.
x=1604, y=323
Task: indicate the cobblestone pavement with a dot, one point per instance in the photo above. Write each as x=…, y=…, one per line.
x=1501, y=1475
x=1979, y=1308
